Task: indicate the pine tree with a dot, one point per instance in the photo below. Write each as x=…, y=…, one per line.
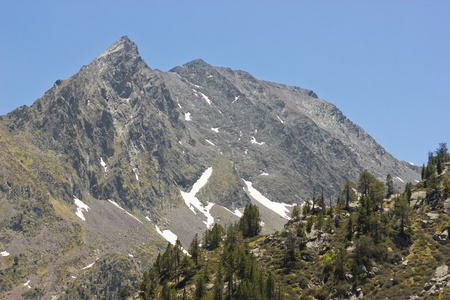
x=249, y=223
x=403, y=213
x=320, y=220
x=365, y=178
x=187, y=267
x=322, y=202
x=389, y=186
x=307, y=207
x=199, y=287
x=339, y=262
x=349, y=235
x=348, y=194
x=295, y=212
x=194, y=249
x=270, y=287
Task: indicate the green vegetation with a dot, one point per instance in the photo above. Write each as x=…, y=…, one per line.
x=375, y=243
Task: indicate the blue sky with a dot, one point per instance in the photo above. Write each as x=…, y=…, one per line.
x=384, y=64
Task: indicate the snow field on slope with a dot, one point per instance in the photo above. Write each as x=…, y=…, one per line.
x=80, y=207
x=118, y=206
x=169, y=236
x=192, y=202
x=279, y=208
x=102, y=162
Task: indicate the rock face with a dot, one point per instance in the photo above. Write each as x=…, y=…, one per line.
x=138, y=137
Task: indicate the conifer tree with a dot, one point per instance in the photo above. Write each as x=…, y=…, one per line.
x=307, y=207
x=348, y=194
x=199, y=287
x=403, y=212
x=194, y=249
x=270, y=287
x=389, y=186
x=295, y=212
x=249, y=223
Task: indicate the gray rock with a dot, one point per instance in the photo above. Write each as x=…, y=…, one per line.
x=441, y=271
x=362, y=271
x=432, y=216
x=441, y=237
x=308, y=257
x=416, y=196
x=256, y=252
x=447, y=205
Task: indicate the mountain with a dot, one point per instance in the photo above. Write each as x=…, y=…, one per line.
x=118, y=158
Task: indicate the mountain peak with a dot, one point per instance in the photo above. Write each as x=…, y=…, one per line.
x=124, y=44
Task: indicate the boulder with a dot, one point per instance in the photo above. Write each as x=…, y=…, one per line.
x=417, y=196
x=348, y=277
x=447, y=205
x=362, y=271
x=442, y=237
x=441, y=271
x=432, y=216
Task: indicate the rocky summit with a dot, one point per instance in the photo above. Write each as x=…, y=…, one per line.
x=114, y=161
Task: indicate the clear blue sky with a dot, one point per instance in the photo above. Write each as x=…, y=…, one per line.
x=384, y=64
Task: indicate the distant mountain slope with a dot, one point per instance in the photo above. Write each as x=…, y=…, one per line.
x=119, y=135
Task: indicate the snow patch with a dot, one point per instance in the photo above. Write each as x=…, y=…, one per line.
x=399, y=179
x=135, y=173
x=102, y=162
x=80, y=207
x=204, y=96
x=279, y=208
x=89, y=266
x=215, y=129
x=170, y=237
x=255, y=142
x=192, y=202
x=210, y=142
x=74, y=277
x=235, y=99
x=4, y=253
x=187, y=116
x=237, y=213
x=264, y=174
x=282, y=122
x=130, y=255
x=27, y=284
x=411, y=164
x=148, y=218
x=179, y=105
x=118, y=206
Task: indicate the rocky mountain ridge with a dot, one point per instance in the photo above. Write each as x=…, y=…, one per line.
x=126, y=141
